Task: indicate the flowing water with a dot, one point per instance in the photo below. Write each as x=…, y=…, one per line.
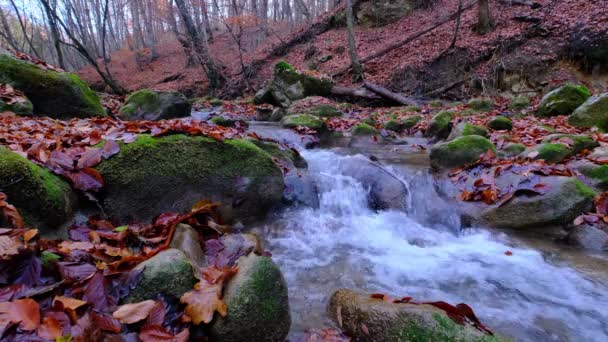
x=424, y=254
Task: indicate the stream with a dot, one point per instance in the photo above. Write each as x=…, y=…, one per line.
x=532, y=295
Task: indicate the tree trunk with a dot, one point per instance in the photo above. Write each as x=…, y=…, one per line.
x=352, y=45
x=484, y=23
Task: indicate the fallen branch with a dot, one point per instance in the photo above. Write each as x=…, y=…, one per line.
x=443, y=89
x=389, y=94
x=409, y=39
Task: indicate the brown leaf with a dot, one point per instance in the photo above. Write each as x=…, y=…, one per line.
x=9, y=246
x=50, y=328
x=90, y=158
x=23, y=311
x=133, y=313
x=203, y=301
x=156, y=333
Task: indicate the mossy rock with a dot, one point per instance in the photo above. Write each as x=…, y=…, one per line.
x=258, y=305
x=468, y=112
x=364, y=129
x=440, y=125
x=412, y=109
x=304, y=120
x=156, y=175
x=54, y=94
x=216, y=102
x=155, y=105
x=512, y=150
x=563, y=100
x=411, y=121
x=552, y=153
x=276, y=151
x=598, y=175
x=44, y=200
x=578, y=142
x=226, y=122
x=382, y=12
x=368, y=319
x=465, y=128
x=168, y=272
x=567, y=198
x=500, y=123
x=592, y=113
x=24, y=107
x=482, y=104
x=324, y=111
x=436, y=103
x=519, y=102
x=394, y=125
x=459, y=152
x=314, y=105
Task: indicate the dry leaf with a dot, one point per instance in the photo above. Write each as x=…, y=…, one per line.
x=133, y=313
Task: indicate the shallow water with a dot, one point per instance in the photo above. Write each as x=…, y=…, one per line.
x=423, y=254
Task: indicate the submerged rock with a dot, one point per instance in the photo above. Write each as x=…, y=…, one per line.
x=55, y=94
x=44, y=200
x=168, y=272
x=171, y=173
x=155, y=105
x=372, y=319
x=563, y=100
x=592, y=113
x=589, y=237
x=459, y=152
x=257, y=300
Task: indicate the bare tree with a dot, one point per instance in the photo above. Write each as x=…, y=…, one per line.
x=484, y=24
x=352, y=45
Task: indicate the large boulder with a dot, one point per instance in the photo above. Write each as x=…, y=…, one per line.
x=368, y=319
x=258, y=305
x=304, y=120
x=155, y=175
x=594, y=112
x=563, y=100
x=459, y=152
x=12, y=100
x=465, y=128
x=44, y=200
x=314, y=105
x=288, y=85
x=589, y=237
x=440, y=125
x=500, y=123
x=565, y=199
x=155, y=105
x=382, y=12
x=168, y=272
x=54, y=94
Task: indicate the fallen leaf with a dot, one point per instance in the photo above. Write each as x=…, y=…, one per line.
x=23, y=311
x=133, y=313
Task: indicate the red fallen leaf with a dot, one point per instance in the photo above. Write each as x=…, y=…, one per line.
x=27, y=270
x=50, y=329
x=379, y=296
x=62, y=160
x=26, y=312
x=105, y=322
x=110, y=148
x=508, y=253
x=91, y=157
x=601, y=203
x=95, y=293
x=9, y=246
x=86, y=179
x=157, y=314
x=156, y=333
x=205, y=299
x=74, y=271
x=9, y=213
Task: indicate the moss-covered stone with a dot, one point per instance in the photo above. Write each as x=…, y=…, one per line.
x=412, y=109
x=154, y=105
x=411, y=121
x=171, y=173
x=303, y=120
x=168, y=272
x=226, y=122
x=53, y=94
x=459, y=152
x=394, y=125
x=364, y=129
x=598, y=174
x=577, y=142
x=482, y=104
x=549, y=152
x=24, y=107
x=325, y=111
x=382, y=12
x=465, y=128
x=500, y=123
x=563, y=100
x=519, y=102
x=258, y=306
x=44, y=200
x=440, y=125
x=593, y=112
x=512, y=150
x=276, y=151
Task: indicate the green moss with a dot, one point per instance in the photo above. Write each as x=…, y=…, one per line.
x=47, y=258
x=436, y=103
x=19, y=108
x=551, y=153
x=583, y=189
x=468, y=112
x=222, y=121
x=393, y=125
x=325, y=111
x=283, y=66
x=593, y=112
x=304, y=120
x=143, y=100
x=483, y=104
x=444, y=330
x=54, y=94
x=513, y=149
x=460, y=151
x=519, y=102
x=475, y=130
x=563, y=100
x=43, y=199
x=412, y=109
x=500, y=123
x=580, y=142
x=274, y=151
x=411, y=121
x=364, y=129
x=439, y=127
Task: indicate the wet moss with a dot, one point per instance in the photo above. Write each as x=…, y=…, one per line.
x=580, y=141
x=513, y=149
x=304, y=120
x=445, y=330
x=475, y=130
x=440, y=125
x=584, y=190
x=500, y=123
x=460, y=151
x=563, y=100
x=394, y=125
x=594, y=112
x=19, y=108
x=552, y=152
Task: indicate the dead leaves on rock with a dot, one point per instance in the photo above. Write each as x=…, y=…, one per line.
x=206, y=298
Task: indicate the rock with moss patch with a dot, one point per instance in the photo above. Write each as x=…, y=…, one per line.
x=303, y=120
x=54, y=94
x=171, y=173
x=20, y=107
x=411, y=121
x=394, y=125
x=465, y=128
x=282, y=153
x=519, y=102
x=563, y=100
x=592, y=113
x=277, y=114
x=565, y=199
x=363, y=129
x=382, y=12
x=227, y=122
x=288, y=85
x=500, y=123
x=168, y=272
x=369, y=319
x=314, y=105
x=155, y=105
x=258, y=306
x=459, y=152
x=44, y=200
x=482, y=104
x=596, y=175
x=549, y=152
x=577, y=142
x=512, y=149
x=440, y=125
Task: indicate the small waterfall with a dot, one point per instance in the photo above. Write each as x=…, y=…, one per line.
x=423, y=254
